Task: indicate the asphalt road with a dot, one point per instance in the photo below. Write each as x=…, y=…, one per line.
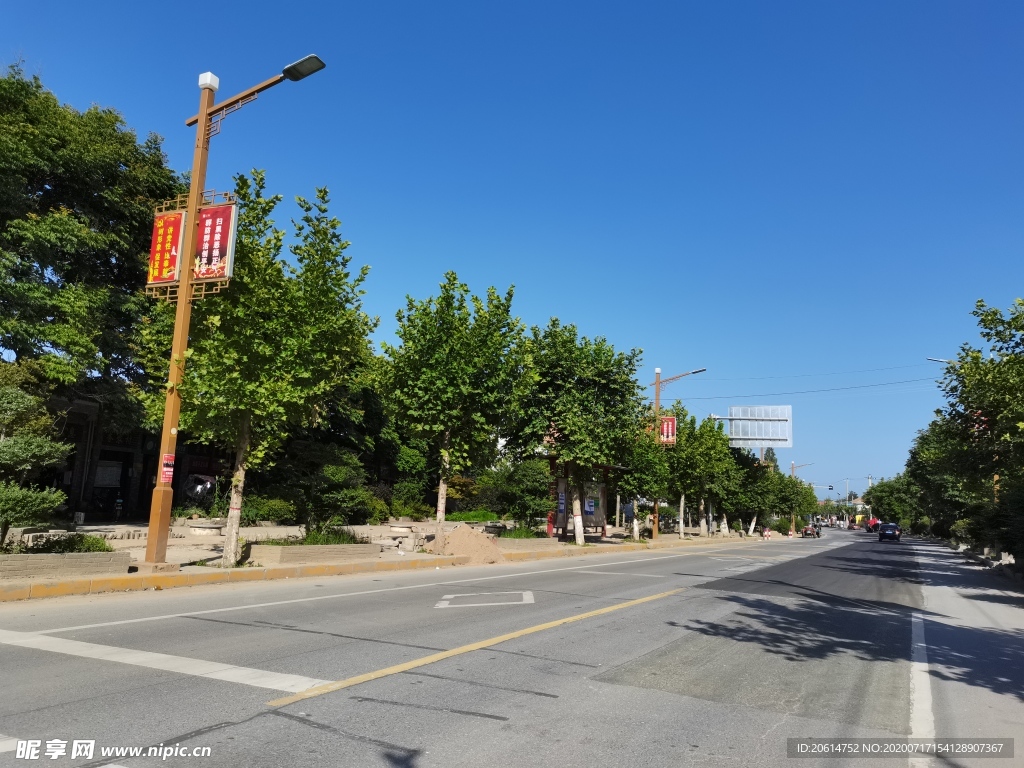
x=702, y=657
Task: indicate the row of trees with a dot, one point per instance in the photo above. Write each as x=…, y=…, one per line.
x=281, y=373
x=964, y=476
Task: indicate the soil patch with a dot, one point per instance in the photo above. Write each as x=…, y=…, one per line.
x=464, y=541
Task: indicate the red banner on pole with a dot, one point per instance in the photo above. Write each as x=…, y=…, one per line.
x=168, y=235
x=215, y=257
x=167, y=468
x=668, y=430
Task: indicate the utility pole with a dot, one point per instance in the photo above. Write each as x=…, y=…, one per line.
x=658, y=384
x=207, y=122
x=793, y=467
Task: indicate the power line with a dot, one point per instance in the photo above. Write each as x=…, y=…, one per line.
x=812, y=375
x=810, y=391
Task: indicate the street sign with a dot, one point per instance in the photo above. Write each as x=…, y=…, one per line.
x=215, y=259
x=668, y=430
x=760, y=426
x=165, y=248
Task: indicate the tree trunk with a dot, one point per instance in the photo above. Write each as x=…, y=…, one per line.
x=753, y=523
x=232, y=551
x=703, y=519
x=618, y=513
x=682, y=508
x=4, y=528
x=577, y=514
x=442, y=496
x=636, y=519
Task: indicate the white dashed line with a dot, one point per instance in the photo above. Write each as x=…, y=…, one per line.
x=214, y=670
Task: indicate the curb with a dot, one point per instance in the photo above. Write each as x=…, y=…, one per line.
x=30, y=590
x=607, y=549
x=139, y=582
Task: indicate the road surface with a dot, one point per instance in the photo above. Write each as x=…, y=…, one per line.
x=702, y=656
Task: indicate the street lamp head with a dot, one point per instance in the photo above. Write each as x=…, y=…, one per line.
x=699, y=370
x=938, y=360
x=209, y=80
x=303, y=67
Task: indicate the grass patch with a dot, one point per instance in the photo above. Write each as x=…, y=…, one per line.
x=521, y=533
x=480, y=516
x=315, y=538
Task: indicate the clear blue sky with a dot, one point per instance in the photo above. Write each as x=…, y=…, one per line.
x=782, y=192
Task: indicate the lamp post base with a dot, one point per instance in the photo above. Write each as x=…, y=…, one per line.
x=150, y=568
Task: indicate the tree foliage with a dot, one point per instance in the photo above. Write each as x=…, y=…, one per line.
x=450, y=379
x=77, y=192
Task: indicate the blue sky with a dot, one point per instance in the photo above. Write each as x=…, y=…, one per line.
x=795, y=195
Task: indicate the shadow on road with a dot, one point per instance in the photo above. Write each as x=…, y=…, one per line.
x=826, y=615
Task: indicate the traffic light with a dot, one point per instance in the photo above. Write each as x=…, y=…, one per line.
x=830, y=487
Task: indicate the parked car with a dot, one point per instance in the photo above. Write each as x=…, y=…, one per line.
x=889, y=532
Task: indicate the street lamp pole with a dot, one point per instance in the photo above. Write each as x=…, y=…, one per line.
x=658, y=384
x=207, y=123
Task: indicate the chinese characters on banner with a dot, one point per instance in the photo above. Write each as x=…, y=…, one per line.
x=168, y=235
x=668, y=430
x=215, y=255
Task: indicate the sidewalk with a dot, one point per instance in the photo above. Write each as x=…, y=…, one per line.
x=512, y=550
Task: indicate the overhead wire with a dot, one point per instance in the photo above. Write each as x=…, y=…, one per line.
x=812, y=391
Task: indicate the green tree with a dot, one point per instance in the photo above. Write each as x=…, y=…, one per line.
x=77, y=192
x=897, y=500
x=581, y=399
x=270, y=354
x=451, y=378
x=27, y=448
x=647, y=469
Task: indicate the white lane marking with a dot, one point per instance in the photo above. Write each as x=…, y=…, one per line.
x=626, y=573
x=196, y=667
x=445, y=602
x=360, y=593
x=8, y=743
x=922, y=723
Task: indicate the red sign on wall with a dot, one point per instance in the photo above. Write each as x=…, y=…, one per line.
x=215, y=246
x=167, y=469
x=668, y=430
x=168, y=235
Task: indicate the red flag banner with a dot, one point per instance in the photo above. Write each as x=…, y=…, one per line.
x=215, y=246
x=668, y=430
x=165, y=249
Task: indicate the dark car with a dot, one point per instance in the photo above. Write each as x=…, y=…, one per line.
x=889, y=531
x=810, y=530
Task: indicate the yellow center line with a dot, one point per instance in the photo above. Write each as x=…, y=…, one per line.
x=320, y=690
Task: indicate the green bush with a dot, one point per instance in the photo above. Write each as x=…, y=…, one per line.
x=72, y=542
x=781, y=526
x=961, y=531
x=256, y=508
x=477, y=516
x=415, y=510
x=921, y=527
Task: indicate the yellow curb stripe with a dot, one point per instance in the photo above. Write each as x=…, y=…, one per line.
x=320, y=690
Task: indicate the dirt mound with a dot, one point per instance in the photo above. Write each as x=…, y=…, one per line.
x=464, y=541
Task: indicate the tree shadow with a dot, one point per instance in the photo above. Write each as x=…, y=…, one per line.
x=805, y=630
x=402, y=759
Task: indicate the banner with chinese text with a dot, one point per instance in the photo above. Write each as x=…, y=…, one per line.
x=168, y=236
x=215, y=246
x=668, y=430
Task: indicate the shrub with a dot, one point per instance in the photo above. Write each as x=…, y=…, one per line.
x=415, y=510
x=256, y=508
x=961, y=531
x=921, y=526
x=72, y=542
x=781, y=525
